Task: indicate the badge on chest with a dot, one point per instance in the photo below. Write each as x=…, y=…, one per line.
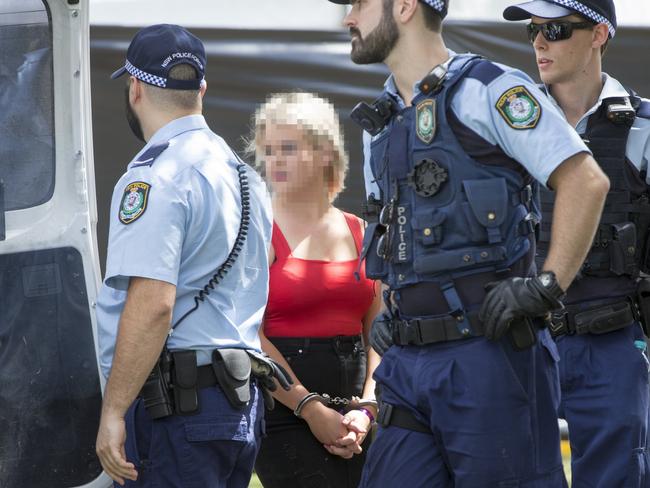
x=425, y=120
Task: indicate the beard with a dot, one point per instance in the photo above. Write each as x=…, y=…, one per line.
x=132, y=118
x=379, y=43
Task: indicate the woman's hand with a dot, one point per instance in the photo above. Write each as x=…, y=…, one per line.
x=329, y=428
x=357, y=424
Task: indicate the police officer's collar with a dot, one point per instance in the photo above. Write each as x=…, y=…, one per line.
x=612, y=88
x=390, y=86
x=173, y=129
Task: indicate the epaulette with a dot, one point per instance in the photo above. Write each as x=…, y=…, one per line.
x=148, y=157
x=644, y=110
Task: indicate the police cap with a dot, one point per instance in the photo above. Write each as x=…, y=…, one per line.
x=439, y=6
x=598, y=11
x=156, y=49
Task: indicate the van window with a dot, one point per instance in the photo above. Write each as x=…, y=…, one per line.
x=27, y=160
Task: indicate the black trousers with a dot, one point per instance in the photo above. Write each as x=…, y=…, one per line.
x=290, y=456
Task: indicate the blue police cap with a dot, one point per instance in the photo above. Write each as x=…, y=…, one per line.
x=439, y=6
x=599, y=11
x=156, y=49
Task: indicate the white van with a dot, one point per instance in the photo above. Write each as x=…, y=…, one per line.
x=50, y=386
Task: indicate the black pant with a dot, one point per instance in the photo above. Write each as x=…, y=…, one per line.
x=290, y=456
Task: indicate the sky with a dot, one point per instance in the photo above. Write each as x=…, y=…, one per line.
x=288, y=14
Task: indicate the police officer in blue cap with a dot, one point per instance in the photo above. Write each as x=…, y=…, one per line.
x=185, y=287
x=603, y=366
x=453, y=147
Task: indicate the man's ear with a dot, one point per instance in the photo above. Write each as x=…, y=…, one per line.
x=405, y=10
x=601, y=35
x=203, y=88
x=135, y=90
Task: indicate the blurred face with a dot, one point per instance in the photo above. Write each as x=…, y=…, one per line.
x=561, y=61
x=290, y=161
x=373, y=30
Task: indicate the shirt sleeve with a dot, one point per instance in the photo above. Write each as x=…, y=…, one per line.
x=371, y=184
x=638, y=146
x=513, y=113
x=147, y=229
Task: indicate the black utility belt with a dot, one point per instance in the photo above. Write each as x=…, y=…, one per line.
x=594, y=320
x=424, y=331
x=173, y=384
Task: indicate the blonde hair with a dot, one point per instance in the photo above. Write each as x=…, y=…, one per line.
x=315, y=117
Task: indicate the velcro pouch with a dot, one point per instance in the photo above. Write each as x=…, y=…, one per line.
x=622, y=249
x=184, y=379
x=232, y=367
x=488, y=200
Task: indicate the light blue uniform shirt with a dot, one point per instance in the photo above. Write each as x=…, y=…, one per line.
x=539, y=150
x=638, y=141
x=188, y=226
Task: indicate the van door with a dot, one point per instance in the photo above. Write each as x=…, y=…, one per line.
x=50, y=387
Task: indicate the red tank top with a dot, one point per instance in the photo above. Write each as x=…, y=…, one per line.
x=310, y=298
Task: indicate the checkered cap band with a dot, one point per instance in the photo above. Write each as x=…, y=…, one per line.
x=587, y=12
x=146, y=77
x=439, y=5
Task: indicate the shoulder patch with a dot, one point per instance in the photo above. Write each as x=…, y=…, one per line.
x=425, y=124
x=148, y=157
x=519, y=108
x=134, y=201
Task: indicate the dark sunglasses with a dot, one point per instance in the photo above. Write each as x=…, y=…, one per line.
x=555, y=31
x=385, y=220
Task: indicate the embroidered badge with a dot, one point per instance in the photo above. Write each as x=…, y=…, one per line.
x=426, y=120
x=427, y=177
x=134, y=201
x=519, y=108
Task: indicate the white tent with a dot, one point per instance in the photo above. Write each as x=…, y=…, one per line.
x=292, y=14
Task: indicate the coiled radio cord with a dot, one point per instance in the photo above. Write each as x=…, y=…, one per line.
x=236, y=248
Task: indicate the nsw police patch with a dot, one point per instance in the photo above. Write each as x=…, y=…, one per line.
x=134, y=201
x=519, y=108
x=425, y=120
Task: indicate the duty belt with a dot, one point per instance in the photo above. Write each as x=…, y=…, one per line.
x=399, y=417
x=419, y=332
x=594, y=320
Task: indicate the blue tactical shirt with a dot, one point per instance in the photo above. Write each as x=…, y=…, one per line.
x=638, y=141
x=540, y=150
x=174, y=217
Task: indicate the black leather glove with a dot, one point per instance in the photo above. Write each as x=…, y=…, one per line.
x=381, y=334
x=513, y=299
x=266, y=370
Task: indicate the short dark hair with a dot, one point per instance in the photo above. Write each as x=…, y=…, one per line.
x=178, y=99
x=432, y=18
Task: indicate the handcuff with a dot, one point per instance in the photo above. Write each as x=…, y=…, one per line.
x=346, y=404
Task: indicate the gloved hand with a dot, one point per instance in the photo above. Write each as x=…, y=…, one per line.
x=512, y=299
x=381, y=334
x=266, y=370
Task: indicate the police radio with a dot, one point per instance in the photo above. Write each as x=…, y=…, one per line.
x=620, y=111
x=373, y=118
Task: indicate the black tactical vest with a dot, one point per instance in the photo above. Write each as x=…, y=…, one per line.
x=620, y=249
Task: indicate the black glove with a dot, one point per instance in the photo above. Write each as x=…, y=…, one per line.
x=381, y=334
x=266, y=370
x=513, y=299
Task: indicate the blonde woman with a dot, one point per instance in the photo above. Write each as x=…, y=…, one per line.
x=318, y=315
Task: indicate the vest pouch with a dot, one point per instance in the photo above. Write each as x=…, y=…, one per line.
x=428, y=227
x=232, y=367
x=622, y=249
x=376, y=268
x=184, y=379
x=488, y=200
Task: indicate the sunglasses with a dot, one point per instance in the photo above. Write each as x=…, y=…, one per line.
x=385, y=220
x=555, y=31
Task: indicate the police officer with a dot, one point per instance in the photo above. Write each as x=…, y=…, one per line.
x=185, y=206
x=452, y=148
x=603, y=367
